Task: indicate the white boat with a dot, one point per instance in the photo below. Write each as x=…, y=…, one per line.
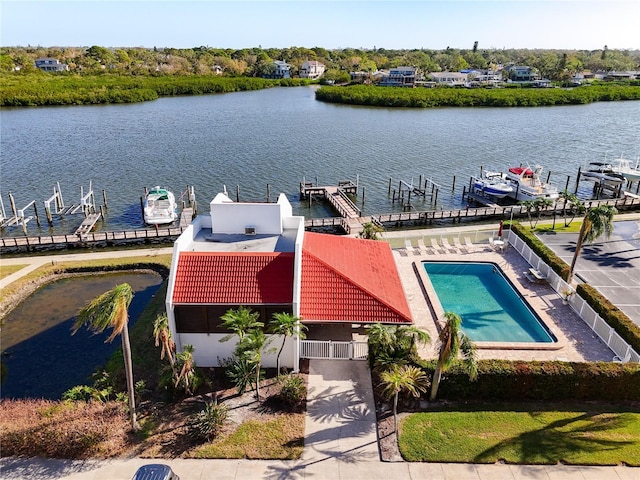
x=527, y=184
x=603, y=172
x=494, y=184
x=625, y=168
x=160, y=207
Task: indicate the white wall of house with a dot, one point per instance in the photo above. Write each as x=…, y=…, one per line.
x=209, y=351
x=232, y=218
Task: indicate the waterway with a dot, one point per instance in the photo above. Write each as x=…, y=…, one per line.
x=41, y=357
x=281, y=136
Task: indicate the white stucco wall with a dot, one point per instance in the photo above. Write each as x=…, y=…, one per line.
x=208, y=350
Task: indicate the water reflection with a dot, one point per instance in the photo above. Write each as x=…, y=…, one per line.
x=41, y=357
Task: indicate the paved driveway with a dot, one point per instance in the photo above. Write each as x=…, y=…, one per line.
x=610, y=265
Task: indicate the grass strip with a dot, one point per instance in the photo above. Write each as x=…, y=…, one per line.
x=6, y=270
x=579, y=436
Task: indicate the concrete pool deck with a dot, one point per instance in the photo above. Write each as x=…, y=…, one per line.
x=576, y=341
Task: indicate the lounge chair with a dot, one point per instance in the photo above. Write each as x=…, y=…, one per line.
x=459, y=246
x=423, y=247
x=447, y=246
x=436, y=246
x=411, y=248
x=469, y=244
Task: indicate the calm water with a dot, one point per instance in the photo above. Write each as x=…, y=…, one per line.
x=491, y=310
x=282, y=135
x=41, y=356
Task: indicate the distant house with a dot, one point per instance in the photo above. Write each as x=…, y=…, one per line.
x=451, y=79
x=521, y=74
x=258, y=255
x=217, y=69
x=312, y=69
x=51, y=65
x=400, y=77
x=281, y=69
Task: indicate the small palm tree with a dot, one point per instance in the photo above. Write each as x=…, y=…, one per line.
x=286, y=325
x=252, y=348
x=452, y=341
x=111, y=310
x=575, y=206
x=187, y=373
x=370, y=231
x=381, y=339
x=402, y=378
x=163, y=339
x=240, y=321
x=597, y=221
x=409, y=336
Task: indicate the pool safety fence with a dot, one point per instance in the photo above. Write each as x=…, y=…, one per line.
x=622, y=350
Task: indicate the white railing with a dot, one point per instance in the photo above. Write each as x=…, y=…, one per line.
x=328, y=349
x=607, y=334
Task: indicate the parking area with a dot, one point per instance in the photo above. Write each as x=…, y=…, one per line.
x=610, y=265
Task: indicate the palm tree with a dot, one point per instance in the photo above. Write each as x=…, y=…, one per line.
x=413, y=335
x=370, y=231
x=252, y=347
x=381, y=339
x=528, y=205
x=240, y=322
x=402, y=378
x=287, y=325
x=452, y=341
x=111, y=310
x=162, y=336
x=597, y=221
x=570, y=199
x=187, y=369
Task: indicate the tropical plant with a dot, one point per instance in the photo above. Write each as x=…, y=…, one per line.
x=252, y=348
x=452, y=341
x=240, y=321
x=208, y=422
x=163, y=339
x=402, y=378
x=393, y=344
x=596, y=222
x=286, y=325
x=370, y=231
x=111, y=310
x=240, y=371
x=292, y=390
x=185, y=368
x=574, y=204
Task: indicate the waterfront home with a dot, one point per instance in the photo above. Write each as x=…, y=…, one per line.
x=258, y=255
x=51, y=65
x=452, y=79
x=279, y=69
x=521, y=74
x=312, y=69
x=400, y=77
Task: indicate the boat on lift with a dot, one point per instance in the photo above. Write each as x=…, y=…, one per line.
x=624, y=167
x=527, y=184
x=603, y=172
x=494, y=184
x=160, y=207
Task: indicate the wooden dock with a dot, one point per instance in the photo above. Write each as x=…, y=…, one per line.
x=337, y=196
x=186, y=216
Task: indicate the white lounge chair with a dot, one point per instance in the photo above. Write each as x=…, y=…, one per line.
x=436, y=246
x=469, y=244
x=422, y=246
x=411, y=248
x=447, y=246
x=459, y=246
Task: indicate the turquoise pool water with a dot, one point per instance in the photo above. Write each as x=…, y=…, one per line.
x=492, y=310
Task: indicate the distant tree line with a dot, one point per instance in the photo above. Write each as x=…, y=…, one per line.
x=555, y=65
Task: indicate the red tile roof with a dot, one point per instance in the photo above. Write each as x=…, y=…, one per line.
x=345, y=279
x=245, y=278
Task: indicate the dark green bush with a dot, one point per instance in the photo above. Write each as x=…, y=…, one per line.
x=208, y=422
x=293, y=391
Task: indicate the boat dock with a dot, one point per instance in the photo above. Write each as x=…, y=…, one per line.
x=88, y=223
x=337, y=196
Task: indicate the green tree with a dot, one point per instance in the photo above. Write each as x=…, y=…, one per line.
x=252, y=348
x=393, y=344
x=186, y=368
x=596, y=222
x=111, y=310
x=287, y=325
x=452, y=341
x=402, y=378
x=240, y=322
x=574, y=205
x=370, y=231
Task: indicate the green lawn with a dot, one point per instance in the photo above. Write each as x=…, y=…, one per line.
x=522, y=436
x=6, y=270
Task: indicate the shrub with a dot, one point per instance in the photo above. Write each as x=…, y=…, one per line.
x=293, y=391
x=207, y=423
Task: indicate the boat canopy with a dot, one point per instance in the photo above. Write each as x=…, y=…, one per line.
x=519, y=171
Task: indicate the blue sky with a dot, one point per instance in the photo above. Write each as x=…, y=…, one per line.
x=391, y=24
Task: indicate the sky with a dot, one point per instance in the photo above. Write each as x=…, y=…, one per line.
x=331, y=24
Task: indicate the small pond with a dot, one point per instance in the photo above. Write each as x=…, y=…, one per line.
x=41, y=357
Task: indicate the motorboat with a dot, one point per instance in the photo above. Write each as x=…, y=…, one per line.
x=624, y=167
x=603, y=172
x=527, y=184
x=494, y=184
x=160, y=207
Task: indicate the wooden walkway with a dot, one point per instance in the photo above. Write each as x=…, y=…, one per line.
x=88, y=224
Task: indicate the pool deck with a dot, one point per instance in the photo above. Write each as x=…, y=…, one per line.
x=576, y=341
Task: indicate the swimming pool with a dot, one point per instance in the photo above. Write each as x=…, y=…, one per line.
x=492, y=310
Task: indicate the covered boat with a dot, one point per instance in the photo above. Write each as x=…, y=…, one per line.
x=603, y=172
x=160, y=207
x=494, y=184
